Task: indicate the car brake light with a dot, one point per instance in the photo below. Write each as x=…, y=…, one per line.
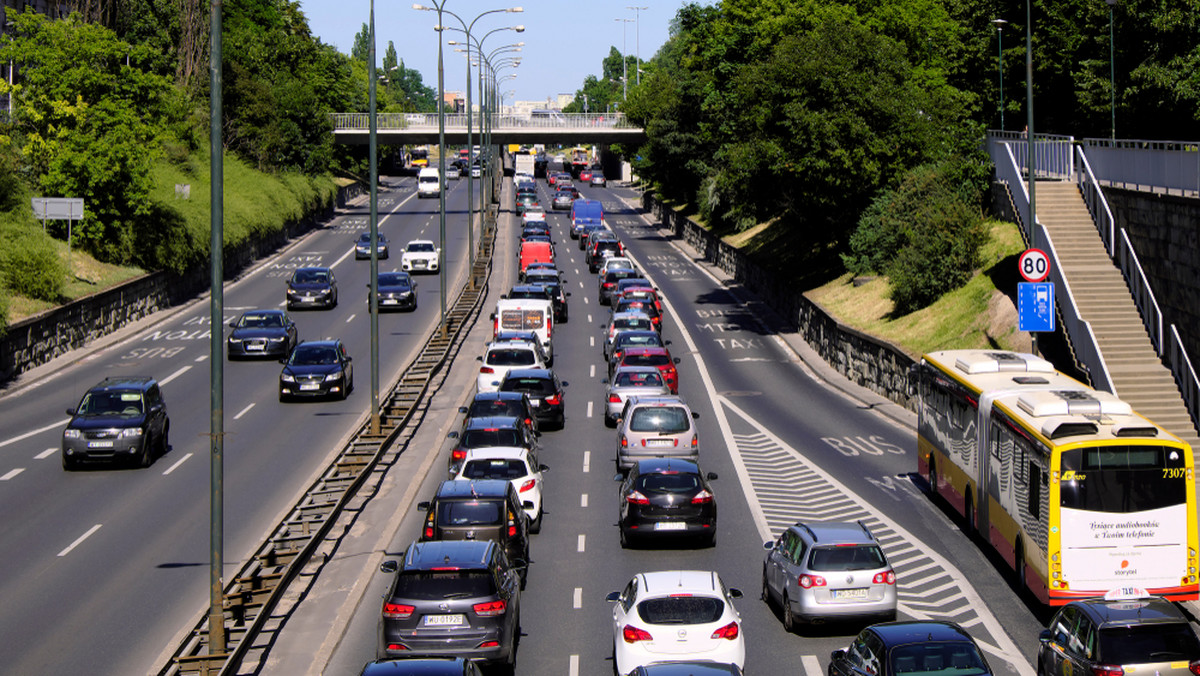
x=695, y=441
x=429, y=526
x=397, y=611
x=491, y=608
x=632, y=634
x=729, y=631
x=1194, y=667
x=702, y=497
x=489, y=644
x=624, y=442
x=486, y=369
x=636, y=498
x=512, y=531
x=1113, y=669
x=614, y=399
x=458, y=454
x=810, y=581
x=528, y=485
x=884, y=578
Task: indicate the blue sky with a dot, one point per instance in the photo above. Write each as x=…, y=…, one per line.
x=565, y=40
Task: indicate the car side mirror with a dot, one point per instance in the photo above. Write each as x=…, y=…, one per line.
x=735, y=593
x=479, y=358
x=70, y=411
x=604, y=381
x=565, y=384
x=676, y=360
x=452, y=435
x=349, y=359
x=618, y=477
x=423, y=506
x=711, y=476
x=568, y=294
x=1046, y=636
x=543, y=468
x=462, y=409
x=389, y=567
x=283, y=360
x=667, y=342
x=769, y=545
x=613, y=597
x=233, y=324
x=837, y=655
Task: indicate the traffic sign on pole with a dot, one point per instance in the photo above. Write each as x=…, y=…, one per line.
x=1034, y=265
x=1035, y=306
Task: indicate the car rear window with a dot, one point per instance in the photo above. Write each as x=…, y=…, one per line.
x=639, y=340
x=639, y=379
x=647, y=360
x=959, y=658
x=425, y=585
x=495, y=468
x=847, y=557
x=636, y=323
x=681, y=610
x=1145, y=643
x=510, y=357
x=496, y=407
x=668, y=482
x=660, y=419
x=637, y=305
x=490, y=437
x=530, y=385
x=453, y=513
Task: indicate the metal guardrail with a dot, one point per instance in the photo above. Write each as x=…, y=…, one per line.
x=258, y=586
x=1169, y=166
x=429, y=121
x=1053, y=154
x=1185, y=375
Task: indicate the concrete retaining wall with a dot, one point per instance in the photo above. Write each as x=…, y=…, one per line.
x=42, y=337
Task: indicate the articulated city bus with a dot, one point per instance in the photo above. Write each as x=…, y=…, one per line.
x=419, y=156
x=1076, y=492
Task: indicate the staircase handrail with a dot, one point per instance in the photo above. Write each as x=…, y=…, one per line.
x=1185, y=375
x=1143, y=295
x=1097, y=205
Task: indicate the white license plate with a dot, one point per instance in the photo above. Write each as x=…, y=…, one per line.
x=670, y=525
x=310, y=386
x=659, y=443
x=100, y=444
x=255, y=346
x=535, y=402
x=389, y=301
x=849, y=593
x=444, y=620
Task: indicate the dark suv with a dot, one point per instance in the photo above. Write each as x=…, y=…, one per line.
x=120, y=419
x=1146, y=634
x=452, y=599
x=545, y=392
x=485, y=509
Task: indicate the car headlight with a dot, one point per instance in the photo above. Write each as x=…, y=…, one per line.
x=286, y=378
x=233, y=340
x=130, y=432
x=274, y=339
x=71, y=434
x=333, y=376
x=326, y=292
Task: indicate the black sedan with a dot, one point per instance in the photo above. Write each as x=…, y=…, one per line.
x=667, y=498
x=924, y=646
x=316, y=368
x=362, y=248
x=545, y=392
x=397, y=291
x=261, y=333
x=312, y=287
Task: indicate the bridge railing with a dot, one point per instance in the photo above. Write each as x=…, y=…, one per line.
x=429, y=121
x=1169, y=166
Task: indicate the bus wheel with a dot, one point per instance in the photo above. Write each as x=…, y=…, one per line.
x=969, y=517
x=933, y=477
x=1019, y=570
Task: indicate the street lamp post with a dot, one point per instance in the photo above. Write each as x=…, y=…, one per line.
x=1112, y=69
x=1000, y=59
x=637, y=39
x=624, y=61
x=372, y=158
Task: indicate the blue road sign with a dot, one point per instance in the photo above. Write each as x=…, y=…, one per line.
x=1035, y=306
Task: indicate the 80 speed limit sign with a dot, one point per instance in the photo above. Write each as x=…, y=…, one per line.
x=1034, y=265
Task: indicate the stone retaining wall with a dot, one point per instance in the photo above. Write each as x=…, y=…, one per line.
x=863, y=359
x=42, y=337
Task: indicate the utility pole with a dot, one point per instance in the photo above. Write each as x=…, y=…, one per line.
x=637, y=40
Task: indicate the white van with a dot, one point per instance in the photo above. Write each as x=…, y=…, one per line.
x=429, y=181
x=527, y=314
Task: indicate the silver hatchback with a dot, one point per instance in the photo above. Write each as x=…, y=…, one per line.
x=656, y=427
x=630, y=381
x=828, y=571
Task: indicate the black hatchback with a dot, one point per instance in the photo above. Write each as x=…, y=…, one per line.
x=545, y=392
x=667, y=498
x=926, y=646
x=452, y=599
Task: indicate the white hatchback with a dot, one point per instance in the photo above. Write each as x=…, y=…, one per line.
x=500, y=358
x=518, y=465
x=420, y=255
x=673, y=616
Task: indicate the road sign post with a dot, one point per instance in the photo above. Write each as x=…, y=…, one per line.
x=69, y=209
x=1035, y=296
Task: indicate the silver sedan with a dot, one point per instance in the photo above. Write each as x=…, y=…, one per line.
x=631, y=381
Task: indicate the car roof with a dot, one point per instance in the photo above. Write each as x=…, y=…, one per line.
x=123, y=383
x=521, y=344
x=475, y=488
x=528, y=288
x=628, y=314
x=544, y=374
x=426, y=555
x=493, y=421
x=423, y=666
x=634, y=369
x=661, y=582
x=499, y=394
x=1118, y=612
x=319, y=343
x=835, y=532
x=919, y=631
x=313, y=269
x=634, y=333
x=420, y=241
x=661, y=465
x=657, y=400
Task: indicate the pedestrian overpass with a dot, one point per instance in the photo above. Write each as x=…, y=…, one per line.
x=422, y=129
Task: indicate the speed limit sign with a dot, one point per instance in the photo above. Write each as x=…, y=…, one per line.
x=1034, y=265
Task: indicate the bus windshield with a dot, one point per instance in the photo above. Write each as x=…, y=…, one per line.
x=1123, y=479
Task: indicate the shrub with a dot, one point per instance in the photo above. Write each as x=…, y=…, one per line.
x=30, y=264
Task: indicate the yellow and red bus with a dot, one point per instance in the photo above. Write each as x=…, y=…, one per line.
x=1078, y=493
x=419, y=156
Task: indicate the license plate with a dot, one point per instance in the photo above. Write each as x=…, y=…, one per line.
x=389, y=301
x=535, y=402
x=100, y=444
x=670, y=525
x=658, y=443
x=310, y=386
x=255, y=346
x=850, y=593
x=444, y=620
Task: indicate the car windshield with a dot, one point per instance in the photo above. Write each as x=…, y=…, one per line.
x=681, y=610
x=393, y=279
x=313, y=356
x=668, y=482
x=496, y=468
x=530, y=385
x=639, y=379
x=311, y=277
x=659, y=419
x=112, y=403
x=365, y=238
x=510, y=357
x=957, y=658
x=424, y=585
x=490, y=437
x=420, y=246
x=1148, y=643
x=847, y=557
x=469, y=513
x=271, y=321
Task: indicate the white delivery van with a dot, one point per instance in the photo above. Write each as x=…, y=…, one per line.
x=527, y=314
x=429, y=181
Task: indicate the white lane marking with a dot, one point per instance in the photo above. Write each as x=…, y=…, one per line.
x=577, y=602
x=175, y=375
x=350, y=318
x=582, y=541
x=201, y=358
x=589, y=409
x=281, y=303
x=587, y=461
x=46, y=453
x=243, y=412
x=12, y=474
x=573, y=666
x=581, y=283
x=591, y=340
x=80, y=540
x=811, y=666
x=177, y=464
x=586, y=301
x=583, y=500
x=338, y=261
x=39, y=430
x=592, y=374
x=589, y=319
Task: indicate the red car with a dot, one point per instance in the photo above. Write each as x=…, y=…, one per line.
x=658, y=357
x=585, y=175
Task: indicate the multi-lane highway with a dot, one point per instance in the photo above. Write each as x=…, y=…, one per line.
x=787, y=441
x=103, y=567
